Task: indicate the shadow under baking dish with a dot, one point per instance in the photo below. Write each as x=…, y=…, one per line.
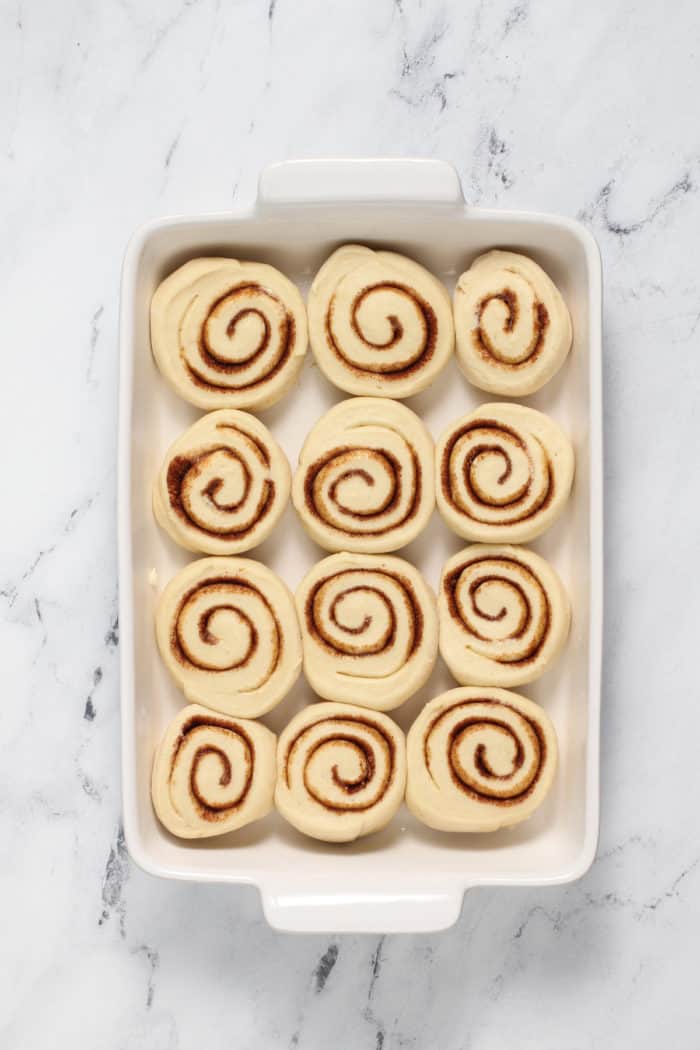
x=558, y=843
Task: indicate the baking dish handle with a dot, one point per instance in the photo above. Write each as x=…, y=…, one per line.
x=381, y=180
x=304, y=911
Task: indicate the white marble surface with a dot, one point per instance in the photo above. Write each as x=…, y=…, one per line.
x=116, y=111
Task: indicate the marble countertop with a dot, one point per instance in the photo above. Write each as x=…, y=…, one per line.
x=115, y=112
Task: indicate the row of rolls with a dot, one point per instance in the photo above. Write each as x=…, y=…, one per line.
x=367, y=630
x=475, y=760
x=232, y=334
x=368, y=479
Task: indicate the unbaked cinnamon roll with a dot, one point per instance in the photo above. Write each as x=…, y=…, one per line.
x=379, y=324
x=479, y=759
x=228, y=334
x=223, y=484
x=369, y=629
x=341, y=771
x=212, y=773
x=228, y=633
x=365, y=481
x=513, y=327
x=504, y=474
x=504, y=615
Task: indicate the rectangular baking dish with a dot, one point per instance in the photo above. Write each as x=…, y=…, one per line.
x=406, y=878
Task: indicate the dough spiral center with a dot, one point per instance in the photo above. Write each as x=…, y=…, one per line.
x=490, y=751
x=244, y=337
x=362, y=490
x=511, y=323
x=391, y=330
x=228, y=625
x=212, y=766
x=344, y=763
x=502, y=607
x=494, y=474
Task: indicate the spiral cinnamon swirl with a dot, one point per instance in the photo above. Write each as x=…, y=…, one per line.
x=379, y=323
x=479, y=759
x=504, y=474
x=512, y=326
x=504, y=615
x=365, y=481
x=228, y=334
x=228, y=633
x=369, y=629
x=223, y=484
x=341, y=771
x=212, y=774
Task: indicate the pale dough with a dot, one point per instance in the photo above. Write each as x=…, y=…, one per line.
x=212, y=773
x=365, y=480
x=228, y=334
x=379, y=323
x=341, y=771
x=513, y=328
x=504, y=615
x=223, y=484
x=228, y=633
x=369, y=629
x=504, y=473
x=479, y=759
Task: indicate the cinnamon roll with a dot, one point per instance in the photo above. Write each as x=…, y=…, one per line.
x=504, y=474
x=223, y=484
x=504, y=615
x=369, y=629
x=379, y=323
x=512, y=326
x=341, y=771
x=228, y=633
x=365, y=481
x=479, y=759
x=228, y=334
x=212, y=774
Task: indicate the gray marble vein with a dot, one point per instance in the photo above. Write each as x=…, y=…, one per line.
x=114, y=112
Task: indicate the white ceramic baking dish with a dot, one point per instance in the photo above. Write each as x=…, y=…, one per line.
x=407, y=878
